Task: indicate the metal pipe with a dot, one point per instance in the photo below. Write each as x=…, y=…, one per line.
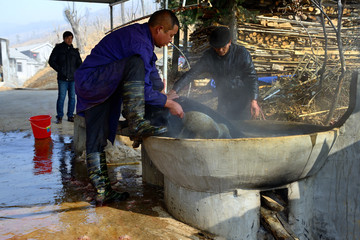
x=111, y=18
x=187, y=61
x=165, y=58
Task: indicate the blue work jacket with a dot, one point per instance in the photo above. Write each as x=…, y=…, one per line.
x=132, y=40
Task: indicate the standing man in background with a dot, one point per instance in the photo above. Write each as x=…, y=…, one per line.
x=65, y=59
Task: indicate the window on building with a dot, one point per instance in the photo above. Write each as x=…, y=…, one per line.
x=19, y=67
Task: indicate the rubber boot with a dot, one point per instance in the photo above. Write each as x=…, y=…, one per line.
x=98, y=174
x=134, y=111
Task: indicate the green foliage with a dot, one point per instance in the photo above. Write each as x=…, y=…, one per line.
x=221, y=12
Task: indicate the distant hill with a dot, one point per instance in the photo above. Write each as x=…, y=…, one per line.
x=18, y=34
x=50, y=31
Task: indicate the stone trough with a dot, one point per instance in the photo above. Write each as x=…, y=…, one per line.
x=215, y=184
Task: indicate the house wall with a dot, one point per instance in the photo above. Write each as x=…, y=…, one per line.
x=29, y=68
x=23, y=75
x=5, y=60
x=44, y=53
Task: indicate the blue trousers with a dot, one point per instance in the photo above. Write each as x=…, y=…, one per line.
x=63, y=88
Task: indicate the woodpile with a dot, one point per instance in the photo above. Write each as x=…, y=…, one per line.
x=279, y=41
x=274, y=215
x=285, y=43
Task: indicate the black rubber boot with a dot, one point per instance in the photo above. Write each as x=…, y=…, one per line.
x=134, y=110
x=98, y=174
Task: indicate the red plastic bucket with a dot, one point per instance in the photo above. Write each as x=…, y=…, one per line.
x=41, y=126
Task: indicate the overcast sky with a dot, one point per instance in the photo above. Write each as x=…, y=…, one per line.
x=23, y=20
x=28, y=11
x=22, y=17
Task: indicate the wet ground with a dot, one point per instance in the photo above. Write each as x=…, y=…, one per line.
x=45, y=194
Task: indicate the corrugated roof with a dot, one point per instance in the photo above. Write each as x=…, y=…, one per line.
x=32, y=47
x=96, y=1
x=14, y=53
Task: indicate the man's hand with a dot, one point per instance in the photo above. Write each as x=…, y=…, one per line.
x=255, y=109
x=172, y=95
x=174, y=108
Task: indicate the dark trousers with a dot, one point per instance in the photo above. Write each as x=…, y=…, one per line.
x=234, y=104
x=102, y=119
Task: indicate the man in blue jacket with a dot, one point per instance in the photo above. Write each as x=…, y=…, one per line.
x=120, y=71
x=65, y=59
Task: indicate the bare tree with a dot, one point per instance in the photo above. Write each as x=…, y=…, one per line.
x=74, y=19
x=340, y=4
x=122, y=13
x=322, y=70
x=142, y=8
x=58, y=34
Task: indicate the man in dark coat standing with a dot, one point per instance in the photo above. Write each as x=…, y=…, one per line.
x=65, y=59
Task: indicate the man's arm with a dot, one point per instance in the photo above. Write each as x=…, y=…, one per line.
x=251, y=76
x=53, y=58
x=156, y=80
x=253, y=84
x=78, y=60
x=174, y=108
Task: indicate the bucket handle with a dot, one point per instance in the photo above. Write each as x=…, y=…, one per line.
x=41, y=127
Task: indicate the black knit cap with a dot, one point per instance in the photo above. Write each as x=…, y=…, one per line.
x=219, y=37
x=67, y=34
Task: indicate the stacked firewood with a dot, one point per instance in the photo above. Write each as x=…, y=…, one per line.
x=279, y=41
x=273, y=215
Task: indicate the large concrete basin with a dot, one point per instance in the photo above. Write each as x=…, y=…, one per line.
x=215, y=184
x=274, y=154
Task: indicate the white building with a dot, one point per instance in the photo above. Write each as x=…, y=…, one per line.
x=20, y=64
x=40, y=52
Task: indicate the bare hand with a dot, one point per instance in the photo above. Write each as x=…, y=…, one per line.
x=174, y=108
x=255, y=109
x=172, y=95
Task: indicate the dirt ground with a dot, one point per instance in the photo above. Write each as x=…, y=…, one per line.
x=17, y=106
x=143, y=216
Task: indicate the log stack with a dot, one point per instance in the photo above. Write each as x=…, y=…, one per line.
x=280, y=40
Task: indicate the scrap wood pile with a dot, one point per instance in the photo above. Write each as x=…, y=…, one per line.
x=274, y=216
x=303, y=101
x=277, y=41
x=283, y=43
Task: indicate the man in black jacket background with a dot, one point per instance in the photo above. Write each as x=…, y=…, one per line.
x=65, y=59
x=231, y=66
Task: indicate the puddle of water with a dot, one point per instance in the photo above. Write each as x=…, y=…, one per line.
x=45, y=194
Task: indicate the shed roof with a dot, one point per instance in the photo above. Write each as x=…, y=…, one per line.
x=97, y=1
x=14, y=53
x=33, y=47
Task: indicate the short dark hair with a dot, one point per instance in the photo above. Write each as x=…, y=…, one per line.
x=164, y=17
x=219, y=37
x=67, y=34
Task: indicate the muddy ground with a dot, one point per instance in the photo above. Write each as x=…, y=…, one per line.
x=45, y=193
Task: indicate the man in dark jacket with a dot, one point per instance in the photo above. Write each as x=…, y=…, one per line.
x=231, y=67
x=65, y=59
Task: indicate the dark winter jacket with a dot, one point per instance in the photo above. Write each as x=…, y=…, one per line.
x=65, y=59
x=234, y=73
